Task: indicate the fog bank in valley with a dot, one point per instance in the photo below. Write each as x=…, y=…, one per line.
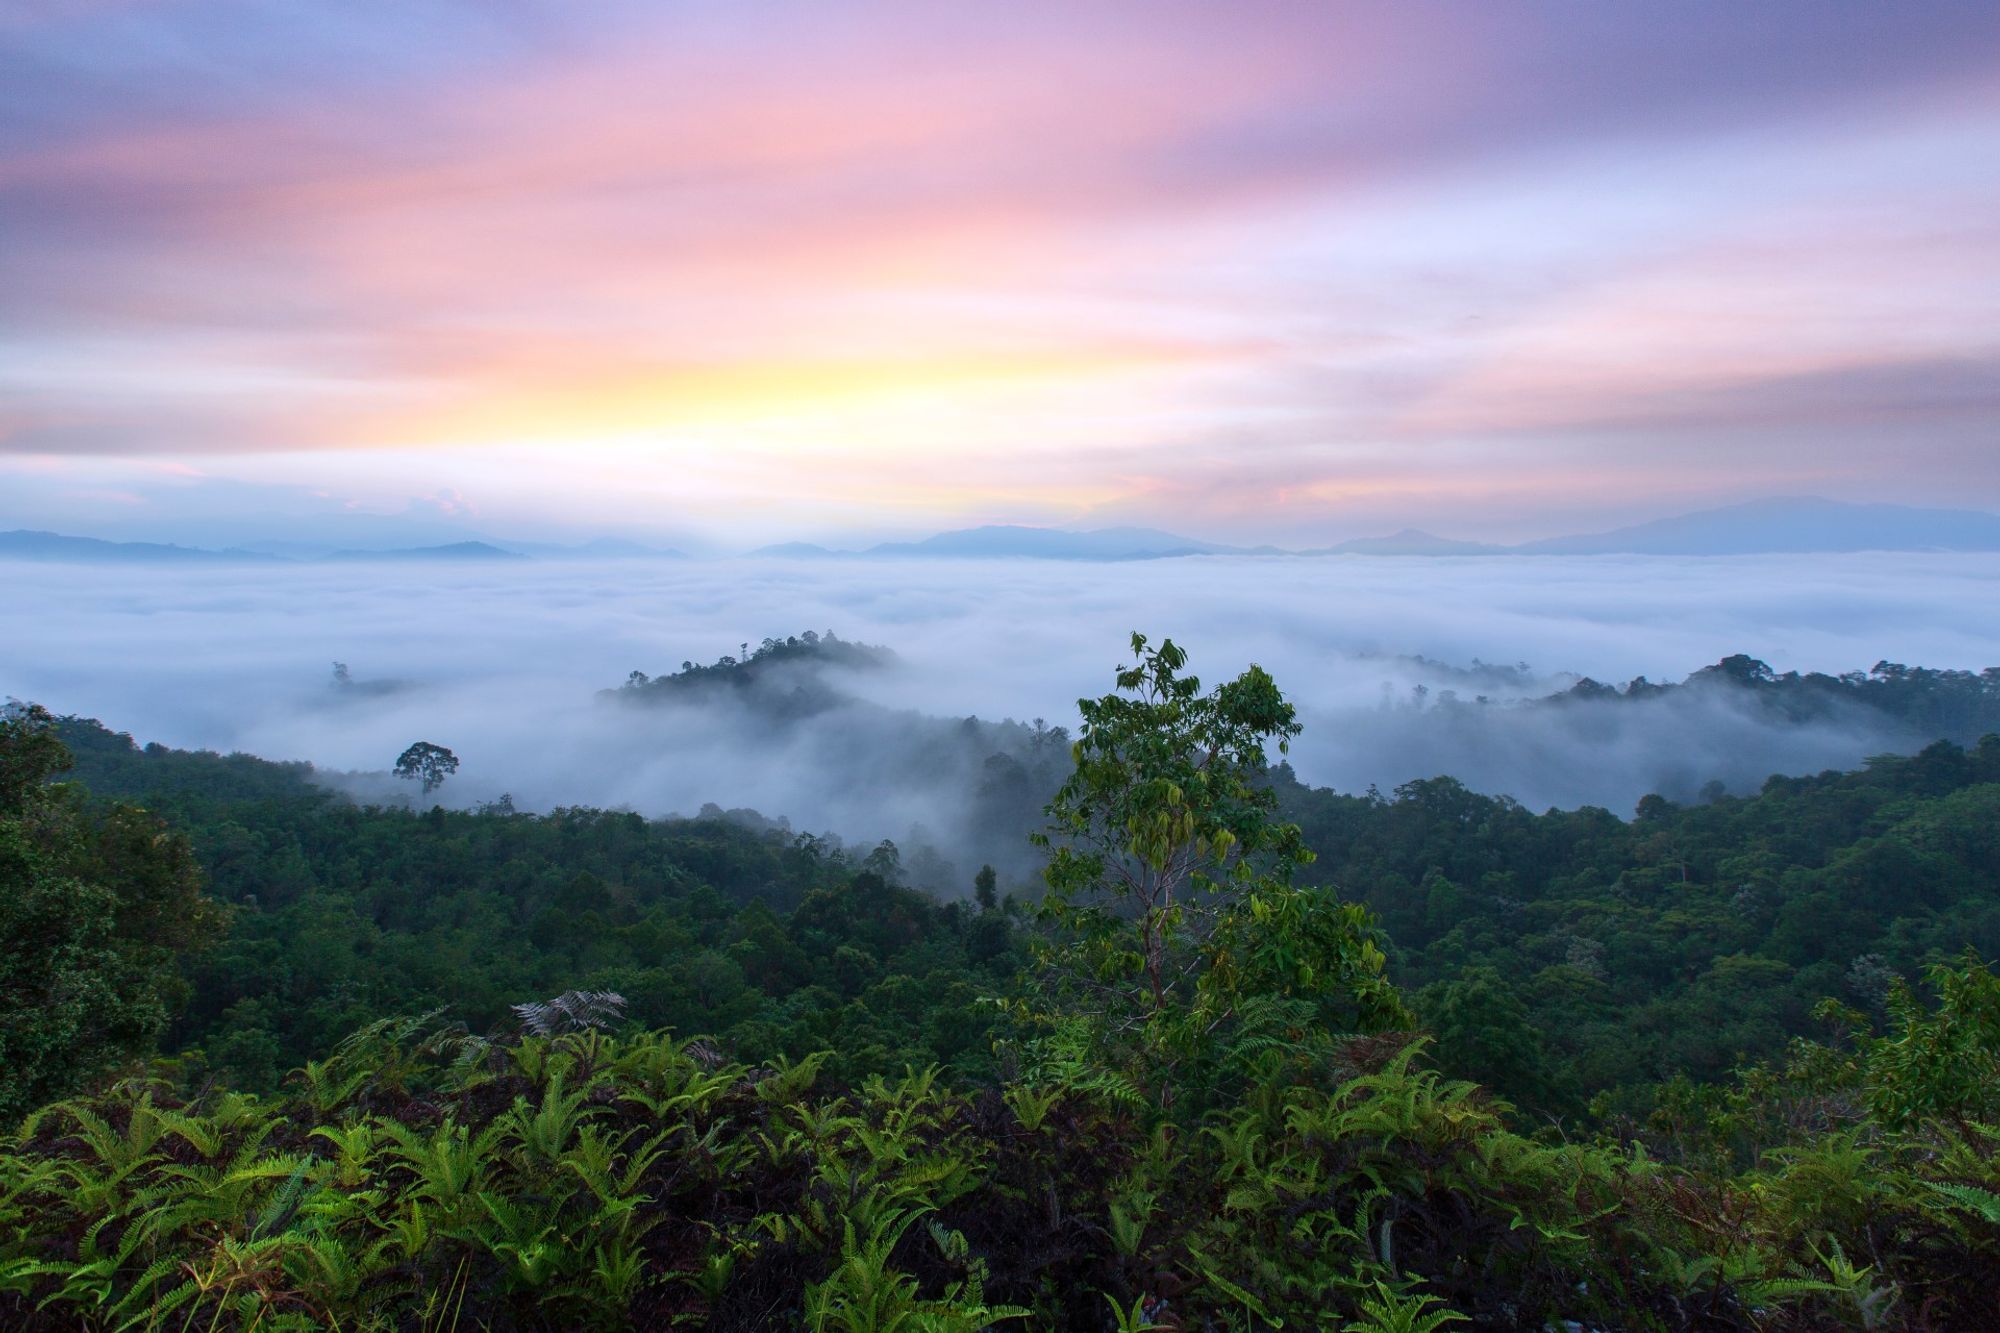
x=1383, y=656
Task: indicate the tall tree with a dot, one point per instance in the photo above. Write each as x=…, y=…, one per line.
x=96, y=908
x=428, y=764
x=1170, y=891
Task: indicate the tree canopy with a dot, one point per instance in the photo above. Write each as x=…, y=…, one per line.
x=426, y=764
x=98, y=907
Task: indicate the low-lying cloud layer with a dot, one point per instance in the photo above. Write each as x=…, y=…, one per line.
x=504, y=665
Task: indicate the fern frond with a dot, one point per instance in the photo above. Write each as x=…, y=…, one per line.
x=571, y=1011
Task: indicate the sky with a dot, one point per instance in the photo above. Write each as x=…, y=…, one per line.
x=721, y=274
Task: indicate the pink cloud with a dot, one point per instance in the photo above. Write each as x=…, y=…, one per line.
x=900, y=250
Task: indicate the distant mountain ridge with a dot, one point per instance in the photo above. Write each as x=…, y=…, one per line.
x=28, y=544
x=1785, y=525
x=1779, y=526
x=449, y=551
x=1008, y=540
x=1410, y=541
x=797, y=551
x=601, y=548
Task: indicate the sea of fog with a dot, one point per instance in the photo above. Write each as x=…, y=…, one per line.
x=502, y=663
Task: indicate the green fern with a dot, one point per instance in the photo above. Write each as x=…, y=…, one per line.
x=1389, y=1311
x=1982, y=1203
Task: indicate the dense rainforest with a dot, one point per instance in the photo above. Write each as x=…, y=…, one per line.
x=1240, y=1053
x=1943, y=705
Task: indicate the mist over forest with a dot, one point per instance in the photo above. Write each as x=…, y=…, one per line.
x=1485, y=671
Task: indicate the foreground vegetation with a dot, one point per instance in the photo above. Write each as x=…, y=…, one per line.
x=1187, y=1087
x=420, y=1178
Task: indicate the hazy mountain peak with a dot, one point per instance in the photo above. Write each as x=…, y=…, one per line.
x=1410, y=541
x=29, y=544
x=449, y=551
x=1000, y=540
x=1789, y=524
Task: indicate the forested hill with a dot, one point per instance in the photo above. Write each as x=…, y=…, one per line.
x=727, y=923
x=1680, y=941
x=1925, y=703
x=1922, y=703
x=787, y=675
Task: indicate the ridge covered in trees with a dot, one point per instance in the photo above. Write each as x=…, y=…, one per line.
x=781, y=674
x=1685, y=939
x=1959, y=706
